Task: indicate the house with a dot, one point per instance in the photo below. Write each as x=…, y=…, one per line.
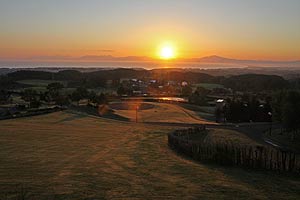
x=220, y=103
x=184, y=83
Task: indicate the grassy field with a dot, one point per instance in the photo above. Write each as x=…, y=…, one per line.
x=209, y=86
x=224, y=136
x=41, y=86
x=204, y=112
x=68, y=155
x=162, y=112
x=39, y=83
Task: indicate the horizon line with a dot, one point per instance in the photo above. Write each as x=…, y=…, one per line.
x=132, y=58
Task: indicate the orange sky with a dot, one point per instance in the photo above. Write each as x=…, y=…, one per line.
x=252, y=30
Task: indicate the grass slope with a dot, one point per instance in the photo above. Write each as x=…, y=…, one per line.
x=162, y=112
x=66, y=155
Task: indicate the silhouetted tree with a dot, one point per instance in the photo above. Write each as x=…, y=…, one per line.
x=80, y=93
x=291, y=110
x=278, y=101
x=247, y=108
x=186, y=90
x=56, y=86
x=54, y=93
x=199, y=97
x=124, y=90
x=32, y=97
x=4, y=96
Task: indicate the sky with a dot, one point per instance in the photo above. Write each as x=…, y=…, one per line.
x=256, y=29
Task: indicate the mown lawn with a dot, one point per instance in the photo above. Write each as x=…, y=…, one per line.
x=68, y=155
x=161, y=112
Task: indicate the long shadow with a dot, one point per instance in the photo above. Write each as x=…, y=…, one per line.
x=94, y=112
x=177, y=124
x=71, y=118
x=260, y=180
x=263, y=180
x=198, y=111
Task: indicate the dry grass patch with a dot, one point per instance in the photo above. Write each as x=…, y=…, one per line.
x=162, y=112
x=75, y=156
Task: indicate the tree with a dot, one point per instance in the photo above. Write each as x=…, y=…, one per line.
x=4, y=96
x=98, y=99
x=124, y=90
x=255, y=82
x=199, y=97
x=80, y=93
x=290, y=112
x=32, y=97
x=202, y=91
x=62, y=100
x=54, y=93
x=187, y=90
x=248, y=108
x=54, y=89
x=102, y=99
x=55, y=86
x=277, y=104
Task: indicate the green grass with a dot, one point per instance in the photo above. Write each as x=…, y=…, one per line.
x=203, y=109
x=204, y=112
x=68, y=155
x=41, y=86
x=104, y=90
x=40, y=83
x=209, y=86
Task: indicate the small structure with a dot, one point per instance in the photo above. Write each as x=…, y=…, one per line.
x=83, y=102
x=220, y=103
x=220, y=110
x=184, y=83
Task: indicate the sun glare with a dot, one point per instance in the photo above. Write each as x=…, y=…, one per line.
x=167, y=52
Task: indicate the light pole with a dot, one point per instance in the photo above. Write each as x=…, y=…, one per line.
x=270, y=114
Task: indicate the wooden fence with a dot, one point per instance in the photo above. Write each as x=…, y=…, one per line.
x=231, y=154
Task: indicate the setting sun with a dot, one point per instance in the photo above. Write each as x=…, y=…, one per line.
x=167, y=52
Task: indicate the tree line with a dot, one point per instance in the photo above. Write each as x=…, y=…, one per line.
x=286, y=109
x=55, y=94
x=246, y=82
x=280, y=106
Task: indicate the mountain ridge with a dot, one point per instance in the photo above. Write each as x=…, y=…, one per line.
x=202, y=60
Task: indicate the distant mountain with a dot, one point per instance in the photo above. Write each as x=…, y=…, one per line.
x=88, y=58
x=214, y=59
x=208, y=59
x=219, y=59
